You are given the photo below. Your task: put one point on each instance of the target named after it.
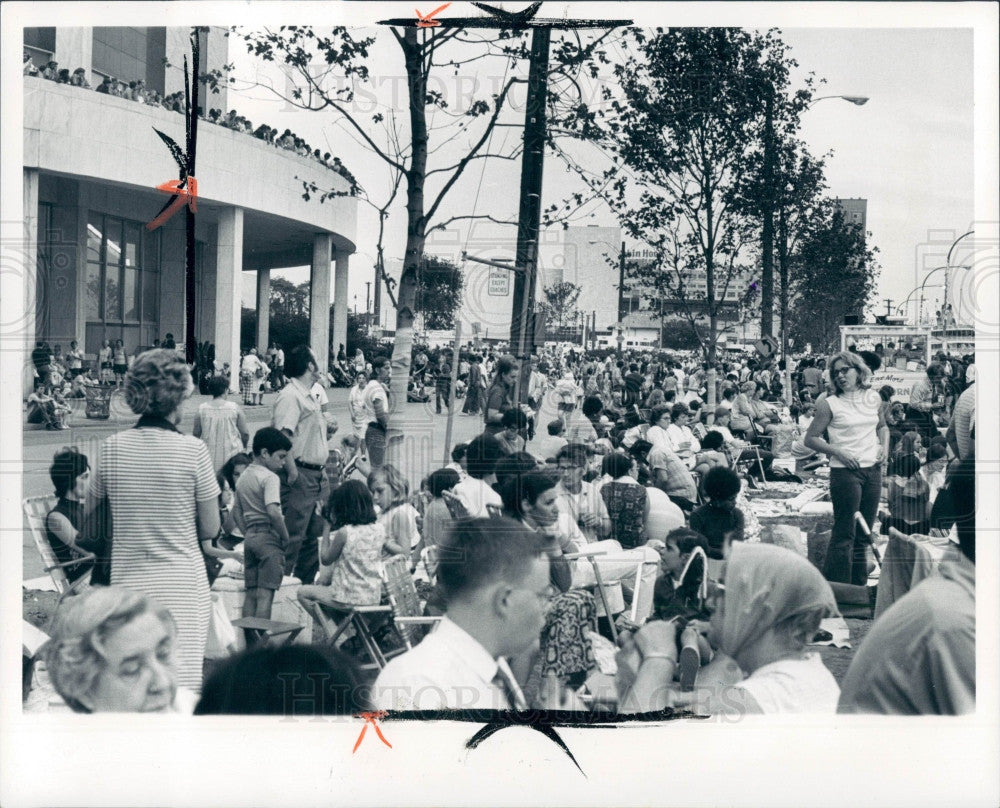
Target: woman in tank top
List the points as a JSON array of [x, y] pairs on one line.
[[857, 441]]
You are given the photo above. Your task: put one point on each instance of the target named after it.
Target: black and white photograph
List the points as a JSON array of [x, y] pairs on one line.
[[553, 403]]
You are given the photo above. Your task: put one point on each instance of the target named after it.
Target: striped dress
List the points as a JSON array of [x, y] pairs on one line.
[[154, 477]]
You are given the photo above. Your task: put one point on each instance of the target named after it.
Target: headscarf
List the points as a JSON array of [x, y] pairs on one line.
[[766, 585]]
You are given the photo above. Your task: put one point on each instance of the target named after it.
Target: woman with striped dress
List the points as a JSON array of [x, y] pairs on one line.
[[164, 501]]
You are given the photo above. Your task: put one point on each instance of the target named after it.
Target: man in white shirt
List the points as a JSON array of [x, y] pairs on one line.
[[475, 492], [375, 401], [496, 581], [579, 499]]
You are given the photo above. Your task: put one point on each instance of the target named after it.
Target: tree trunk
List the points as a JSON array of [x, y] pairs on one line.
[[402, 347]]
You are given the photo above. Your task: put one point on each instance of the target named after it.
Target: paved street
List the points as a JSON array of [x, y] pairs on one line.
[[424, 429]]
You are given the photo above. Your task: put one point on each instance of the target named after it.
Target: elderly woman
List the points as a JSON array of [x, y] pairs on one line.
[[763, 618], [112, 650], [164, 500], [857, 441]]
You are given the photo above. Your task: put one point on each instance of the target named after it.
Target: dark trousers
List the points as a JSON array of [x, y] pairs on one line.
[[375, 441], [304, 525], [442, 391], [851, 491]]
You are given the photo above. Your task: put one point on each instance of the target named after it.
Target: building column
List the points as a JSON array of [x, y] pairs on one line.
[[319, 301], [263, 310], [74, 48], [29, 275], [228, 279], [340, 302]]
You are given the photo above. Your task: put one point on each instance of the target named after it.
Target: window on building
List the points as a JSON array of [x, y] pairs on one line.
[[122, 282], [40, 43], [122, 53]]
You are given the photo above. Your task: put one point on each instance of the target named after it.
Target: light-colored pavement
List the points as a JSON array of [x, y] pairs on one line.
[[424, 430]]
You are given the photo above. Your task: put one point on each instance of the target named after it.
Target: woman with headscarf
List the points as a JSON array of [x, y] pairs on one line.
[[762, 619]]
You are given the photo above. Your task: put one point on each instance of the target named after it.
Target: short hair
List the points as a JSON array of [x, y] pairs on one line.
[[935, 452], [157, 383], [217, 386], [640, 449], [886, 392], [379, 362], [393, 478], [297, 361], [458, 453], [287, 680], [227, 472], [687, 539], [271, 439], [723, 412], [555, 427], [617, 464], [529, 485], [856, 362], [351, 503], [514, 417], [592, 405], [481, 455], [480, 552], [574, 452], [67, 465], [657, 413], [721, 483], [512, 466], [713, 440], [694, 405], [678, 410], [74, 655], [442, 480]]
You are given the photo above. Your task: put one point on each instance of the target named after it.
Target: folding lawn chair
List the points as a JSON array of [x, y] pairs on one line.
[[36, 509], [591, 556]]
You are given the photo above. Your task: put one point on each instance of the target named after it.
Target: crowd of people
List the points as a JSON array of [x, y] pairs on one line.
[[137, 90], [639, 484]]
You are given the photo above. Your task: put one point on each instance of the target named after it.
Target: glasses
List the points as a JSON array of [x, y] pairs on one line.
[[841, 370]]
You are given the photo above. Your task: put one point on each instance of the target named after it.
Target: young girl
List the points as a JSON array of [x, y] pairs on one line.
[[119, 362], [104, 358], [352, 554], [391, 493]]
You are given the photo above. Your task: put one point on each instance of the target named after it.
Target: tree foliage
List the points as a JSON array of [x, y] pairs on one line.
[[835, 274], [560, 303], [439, 291]]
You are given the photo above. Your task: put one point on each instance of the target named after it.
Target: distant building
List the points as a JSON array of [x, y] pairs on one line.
[[91, 166], [855, 211]]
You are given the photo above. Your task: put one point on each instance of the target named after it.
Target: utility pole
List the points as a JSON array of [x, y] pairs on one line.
[[767, 225], [888, 306], [529, 214], [621, 299]]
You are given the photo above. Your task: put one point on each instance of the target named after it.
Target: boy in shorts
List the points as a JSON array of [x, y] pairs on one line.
[[257, 512]]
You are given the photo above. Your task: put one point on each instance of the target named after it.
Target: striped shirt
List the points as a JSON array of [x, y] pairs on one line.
[[154, 478]]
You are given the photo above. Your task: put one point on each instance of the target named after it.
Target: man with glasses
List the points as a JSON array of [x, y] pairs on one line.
[[495, 578], [577, 497]]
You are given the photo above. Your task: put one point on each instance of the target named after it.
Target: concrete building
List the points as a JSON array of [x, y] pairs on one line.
[[855, 211], [91, 166]]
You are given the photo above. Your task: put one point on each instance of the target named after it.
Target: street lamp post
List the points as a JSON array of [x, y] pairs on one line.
[[621, 293]]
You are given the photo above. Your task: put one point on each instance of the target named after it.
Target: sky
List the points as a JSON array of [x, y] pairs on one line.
[[908, 150]]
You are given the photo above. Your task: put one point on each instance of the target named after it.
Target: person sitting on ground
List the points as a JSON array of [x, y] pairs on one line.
[[46, 406], [919, 658], [351, 556], [495, 579], [712, 453], [719, 520], [933, 470], [256, 682], [111, 650], [762, 620], [257, 513], [512, 437], [908, 497], [71, 535]]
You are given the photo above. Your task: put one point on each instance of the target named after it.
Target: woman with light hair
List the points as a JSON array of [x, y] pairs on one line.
[[858, 445], [112, 650], [164, 502]]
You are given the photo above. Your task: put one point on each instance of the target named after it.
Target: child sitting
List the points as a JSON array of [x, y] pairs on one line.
[[391, 493], [712, 454], [257, 513], [354, 551], [553, 442], [909, 497], [719, 520]]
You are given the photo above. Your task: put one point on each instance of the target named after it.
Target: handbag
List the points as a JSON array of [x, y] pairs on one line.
[[213, 565]]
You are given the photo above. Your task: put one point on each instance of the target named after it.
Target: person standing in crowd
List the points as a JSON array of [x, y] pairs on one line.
[[376, 406], [442, 381], [74, 359], [303, 479], [252, 373], [119, 362], [475, 386], [220, 423], [500, 396], [926, 399], [858, 446], [164, 502]]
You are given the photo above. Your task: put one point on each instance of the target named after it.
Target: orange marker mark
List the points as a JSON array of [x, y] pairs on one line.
[[427, 20], [371, 718], [185, 196]]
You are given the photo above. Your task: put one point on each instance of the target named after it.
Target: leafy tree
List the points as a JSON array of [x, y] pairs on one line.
[[439, 291], [559, 305], [429, 149], [685, 118], [835, 273]]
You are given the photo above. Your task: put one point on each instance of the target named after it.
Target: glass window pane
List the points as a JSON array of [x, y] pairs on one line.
[[131, 293], [93, 293], [131, 244], [113, 246], [151, 251], [112, 295], [150, 310], [95, 224]]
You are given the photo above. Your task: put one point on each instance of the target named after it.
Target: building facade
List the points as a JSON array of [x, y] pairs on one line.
[[92, 162], [855, 211]]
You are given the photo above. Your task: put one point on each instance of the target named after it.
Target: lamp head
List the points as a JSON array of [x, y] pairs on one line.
[[859, 100]]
